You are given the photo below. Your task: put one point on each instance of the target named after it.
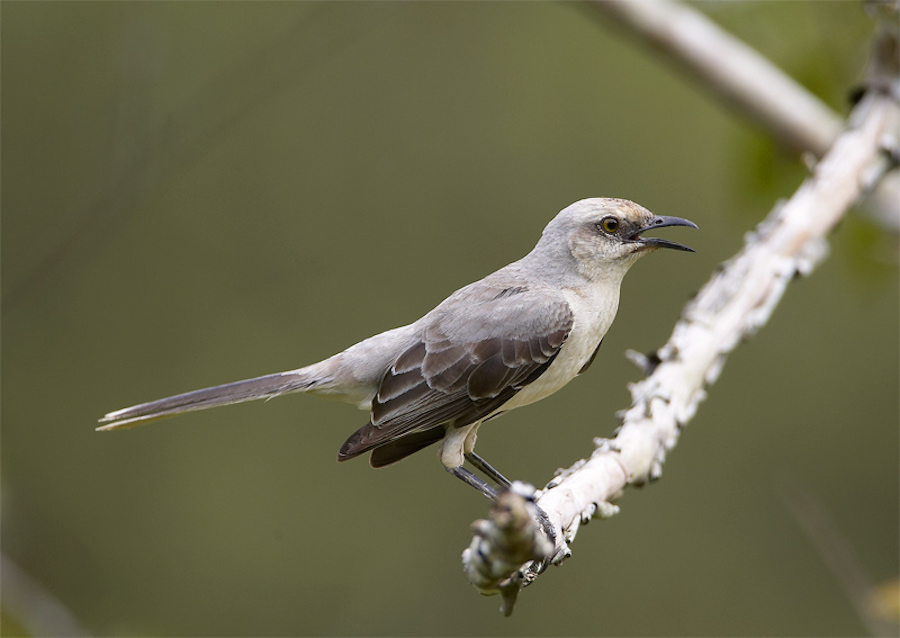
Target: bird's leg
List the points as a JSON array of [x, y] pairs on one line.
[[488, 470], [465, 475], [504, 483]]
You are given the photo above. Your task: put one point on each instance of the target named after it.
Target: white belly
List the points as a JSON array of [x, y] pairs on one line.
[[593, 316]]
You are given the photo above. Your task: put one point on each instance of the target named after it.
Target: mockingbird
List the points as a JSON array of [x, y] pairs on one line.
[[510, 339]]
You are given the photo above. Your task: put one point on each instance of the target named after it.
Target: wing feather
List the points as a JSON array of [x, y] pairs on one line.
[[476, 351]]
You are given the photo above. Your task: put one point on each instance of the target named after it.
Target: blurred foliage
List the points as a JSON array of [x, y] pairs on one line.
[[200, 192]]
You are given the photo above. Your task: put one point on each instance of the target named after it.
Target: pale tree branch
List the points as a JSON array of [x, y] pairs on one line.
[[739, 299], [506, 542], [748, 83]]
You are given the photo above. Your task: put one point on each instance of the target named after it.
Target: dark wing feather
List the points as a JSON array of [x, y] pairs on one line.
[[470, 360]]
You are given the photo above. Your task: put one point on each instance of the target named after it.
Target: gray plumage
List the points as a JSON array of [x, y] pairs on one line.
[[510, 339]]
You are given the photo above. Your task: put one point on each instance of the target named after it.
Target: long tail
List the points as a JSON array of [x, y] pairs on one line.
[[264, 387]]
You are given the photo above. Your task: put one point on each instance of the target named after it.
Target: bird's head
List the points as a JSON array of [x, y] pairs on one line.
[[605, 236]]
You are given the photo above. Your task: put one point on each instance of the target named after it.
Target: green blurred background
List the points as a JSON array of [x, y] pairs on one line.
[[195, 193]]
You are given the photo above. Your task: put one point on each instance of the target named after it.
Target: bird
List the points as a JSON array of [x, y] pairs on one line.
[[508, 340]]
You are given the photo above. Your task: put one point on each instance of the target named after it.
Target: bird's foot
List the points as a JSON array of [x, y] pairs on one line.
[[528, 492], [524, 490]]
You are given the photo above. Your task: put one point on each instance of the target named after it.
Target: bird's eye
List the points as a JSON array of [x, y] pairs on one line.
[[609, 224]]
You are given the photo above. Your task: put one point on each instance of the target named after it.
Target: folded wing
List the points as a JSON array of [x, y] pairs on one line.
[[468, 362]]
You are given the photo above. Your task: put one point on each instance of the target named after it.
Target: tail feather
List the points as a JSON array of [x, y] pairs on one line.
[[265, 387]]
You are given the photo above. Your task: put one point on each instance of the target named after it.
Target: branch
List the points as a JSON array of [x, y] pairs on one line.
[[747, 82], [737, 301], [509, 550]]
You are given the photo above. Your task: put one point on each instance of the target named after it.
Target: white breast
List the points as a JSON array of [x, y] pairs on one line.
[[594, 312]]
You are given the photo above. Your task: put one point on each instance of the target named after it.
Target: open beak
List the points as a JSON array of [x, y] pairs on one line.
[[657, 242]]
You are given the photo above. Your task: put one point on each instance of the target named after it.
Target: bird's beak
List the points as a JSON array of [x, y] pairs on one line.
[[657, 242]]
